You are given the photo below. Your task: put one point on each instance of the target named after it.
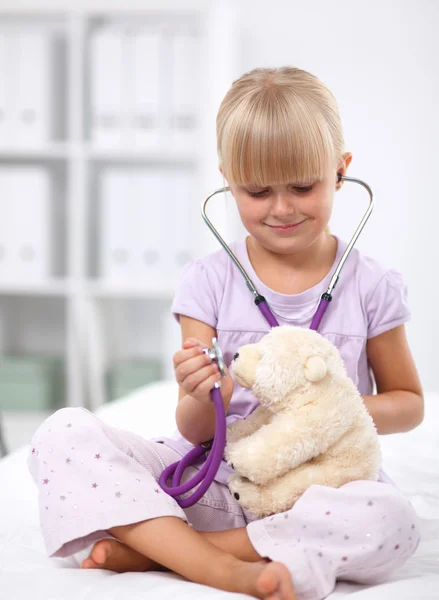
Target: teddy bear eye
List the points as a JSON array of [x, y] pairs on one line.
[[235, 356]]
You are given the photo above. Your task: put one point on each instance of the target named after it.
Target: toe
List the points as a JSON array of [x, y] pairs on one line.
[[101, 552], [274, 583], [89, 563], [268, 581]]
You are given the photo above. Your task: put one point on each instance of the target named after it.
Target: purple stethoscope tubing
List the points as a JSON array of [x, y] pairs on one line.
[[198, 454], [208, 471]]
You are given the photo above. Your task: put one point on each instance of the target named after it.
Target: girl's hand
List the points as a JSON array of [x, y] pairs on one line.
[[194, 370]]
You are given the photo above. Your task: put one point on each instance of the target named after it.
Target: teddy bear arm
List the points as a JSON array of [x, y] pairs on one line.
[[256, 456], [313, 434], [281, 446]]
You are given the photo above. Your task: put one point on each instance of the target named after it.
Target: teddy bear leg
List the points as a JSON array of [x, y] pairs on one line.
[[282, 493], [321, 472]]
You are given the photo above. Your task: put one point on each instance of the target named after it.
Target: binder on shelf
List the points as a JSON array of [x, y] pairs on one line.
[[118, 224], [125, 376], [184, 89], [185, 210], [31, 383], [136, 226], [33, 108], [5, 89], [3, 327], [154, 227], [145, 50], [6, 239], [107, 49], [25, 225]]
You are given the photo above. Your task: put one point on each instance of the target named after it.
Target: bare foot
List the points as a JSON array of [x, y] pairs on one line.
[[265, 580], [274, 583], [115, 556]]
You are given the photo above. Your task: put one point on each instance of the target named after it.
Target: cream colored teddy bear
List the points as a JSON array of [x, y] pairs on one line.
[[311, 426]]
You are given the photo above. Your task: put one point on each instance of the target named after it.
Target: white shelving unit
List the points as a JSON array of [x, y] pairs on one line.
[[105, 320]]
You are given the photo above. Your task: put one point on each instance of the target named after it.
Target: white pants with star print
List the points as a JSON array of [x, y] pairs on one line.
[[92, 477]]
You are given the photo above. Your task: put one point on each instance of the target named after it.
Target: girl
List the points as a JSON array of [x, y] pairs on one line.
[[280, 149]]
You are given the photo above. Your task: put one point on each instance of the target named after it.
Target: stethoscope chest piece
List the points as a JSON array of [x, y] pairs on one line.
[[216, 355]]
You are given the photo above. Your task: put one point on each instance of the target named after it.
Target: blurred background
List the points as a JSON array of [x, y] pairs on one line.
[[107, 148]]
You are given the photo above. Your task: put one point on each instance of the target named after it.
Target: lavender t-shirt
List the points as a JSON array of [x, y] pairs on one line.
[[367, 301]]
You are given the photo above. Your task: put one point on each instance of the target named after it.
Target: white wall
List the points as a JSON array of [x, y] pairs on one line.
[[381, 60]]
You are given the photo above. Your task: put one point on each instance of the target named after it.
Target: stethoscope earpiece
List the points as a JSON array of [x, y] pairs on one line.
[[339, 177]]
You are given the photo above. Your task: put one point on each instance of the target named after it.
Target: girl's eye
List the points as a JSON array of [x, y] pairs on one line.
[[304, 189], [299, 189], [259, 194]]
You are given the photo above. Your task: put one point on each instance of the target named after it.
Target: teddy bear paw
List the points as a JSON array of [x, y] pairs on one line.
[[235, 456], [246, 493]]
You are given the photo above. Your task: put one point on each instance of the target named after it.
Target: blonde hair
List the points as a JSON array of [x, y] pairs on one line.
[[278, 126]]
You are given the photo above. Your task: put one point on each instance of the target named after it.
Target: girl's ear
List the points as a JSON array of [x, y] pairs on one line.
[[342, 167], [347, 158]]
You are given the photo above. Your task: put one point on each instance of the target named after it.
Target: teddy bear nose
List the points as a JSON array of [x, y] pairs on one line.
[[236, 495], [235, 355]]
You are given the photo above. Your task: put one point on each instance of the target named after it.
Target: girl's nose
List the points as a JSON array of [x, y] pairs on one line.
[[282, 205]]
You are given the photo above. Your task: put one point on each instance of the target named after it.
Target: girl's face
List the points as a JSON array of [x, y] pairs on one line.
[[287, 218]]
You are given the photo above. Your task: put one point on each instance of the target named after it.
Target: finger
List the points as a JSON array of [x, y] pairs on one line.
[[190, 367], [196, 381], [206, 386], [183, 355]]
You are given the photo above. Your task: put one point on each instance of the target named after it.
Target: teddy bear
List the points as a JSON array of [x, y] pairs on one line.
[[311, 426]]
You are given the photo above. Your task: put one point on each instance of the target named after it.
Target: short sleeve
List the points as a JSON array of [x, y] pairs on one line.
[[388, 306], [196, 296]]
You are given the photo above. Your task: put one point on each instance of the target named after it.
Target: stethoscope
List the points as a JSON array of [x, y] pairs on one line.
[[212, 452]]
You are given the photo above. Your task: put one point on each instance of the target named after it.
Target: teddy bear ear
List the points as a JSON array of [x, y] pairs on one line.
[[315, 369]]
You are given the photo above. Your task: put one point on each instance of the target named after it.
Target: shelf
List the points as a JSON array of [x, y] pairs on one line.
[[49, 288], [103, 289], [139, 155], [50, 152], [64, 151], [93, 288]]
